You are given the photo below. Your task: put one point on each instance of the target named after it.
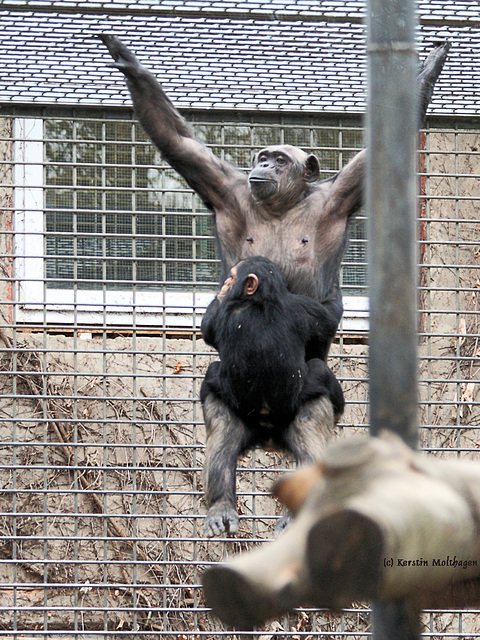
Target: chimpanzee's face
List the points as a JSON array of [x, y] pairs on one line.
[[266, 176], [280, 175]]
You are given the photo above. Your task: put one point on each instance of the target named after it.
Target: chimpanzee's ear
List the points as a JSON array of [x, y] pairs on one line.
[[311, 171], [251, 284]]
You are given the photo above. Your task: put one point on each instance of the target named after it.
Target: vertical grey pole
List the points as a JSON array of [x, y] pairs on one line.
[[392, 118]]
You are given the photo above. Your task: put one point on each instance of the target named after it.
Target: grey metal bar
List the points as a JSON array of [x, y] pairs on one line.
[[391, 203]]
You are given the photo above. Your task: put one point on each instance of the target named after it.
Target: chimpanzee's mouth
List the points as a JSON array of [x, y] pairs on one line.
[[262, 188]]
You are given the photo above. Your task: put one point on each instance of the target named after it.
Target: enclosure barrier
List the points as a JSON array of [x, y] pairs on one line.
[[107, 265]]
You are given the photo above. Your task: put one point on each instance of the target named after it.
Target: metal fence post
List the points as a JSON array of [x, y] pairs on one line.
[[392, 117]]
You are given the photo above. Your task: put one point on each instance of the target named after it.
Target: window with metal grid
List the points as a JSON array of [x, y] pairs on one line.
[[116, 215]]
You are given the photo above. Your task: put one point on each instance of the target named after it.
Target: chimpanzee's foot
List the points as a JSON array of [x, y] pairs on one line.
[[221, 518]]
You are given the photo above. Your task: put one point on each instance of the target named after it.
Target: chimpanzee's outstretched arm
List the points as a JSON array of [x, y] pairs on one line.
[[346, 188], [210, 177]]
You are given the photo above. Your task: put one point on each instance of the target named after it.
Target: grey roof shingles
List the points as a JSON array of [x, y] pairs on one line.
[[302, 56]]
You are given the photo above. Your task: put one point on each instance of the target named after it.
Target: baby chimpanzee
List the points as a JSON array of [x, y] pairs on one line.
[[272, 367]]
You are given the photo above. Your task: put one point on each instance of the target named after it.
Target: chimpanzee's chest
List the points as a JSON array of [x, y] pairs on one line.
[[306, 244], [303, 252], [294, 248]]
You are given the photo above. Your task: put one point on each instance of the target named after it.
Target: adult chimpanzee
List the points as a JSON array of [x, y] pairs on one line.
[[264, 335], [280, 210]]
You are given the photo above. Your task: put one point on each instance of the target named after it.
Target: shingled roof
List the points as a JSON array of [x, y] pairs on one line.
[[299, 56]]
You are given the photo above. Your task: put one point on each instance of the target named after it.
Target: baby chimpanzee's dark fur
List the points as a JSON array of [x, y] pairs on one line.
[[263, 339], [265, 336]]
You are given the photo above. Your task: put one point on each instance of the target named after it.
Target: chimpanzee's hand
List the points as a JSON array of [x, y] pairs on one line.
[[125, 60], [429, 72]]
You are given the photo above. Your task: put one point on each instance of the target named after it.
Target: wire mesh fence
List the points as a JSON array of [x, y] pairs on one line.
[[108, 265]]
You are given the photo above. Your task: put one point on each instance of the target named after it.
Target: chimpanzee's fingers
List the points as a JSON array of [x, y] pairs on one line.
[[125, 60]]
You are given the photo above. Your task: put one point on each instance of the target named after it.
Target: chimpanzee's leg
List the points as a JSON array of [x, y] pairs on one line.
[[306, 437], [311, 429], [226, 438]]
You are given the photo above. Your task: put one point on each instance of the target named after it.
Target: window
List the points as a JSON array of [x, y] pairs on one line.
[[105, 229]]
